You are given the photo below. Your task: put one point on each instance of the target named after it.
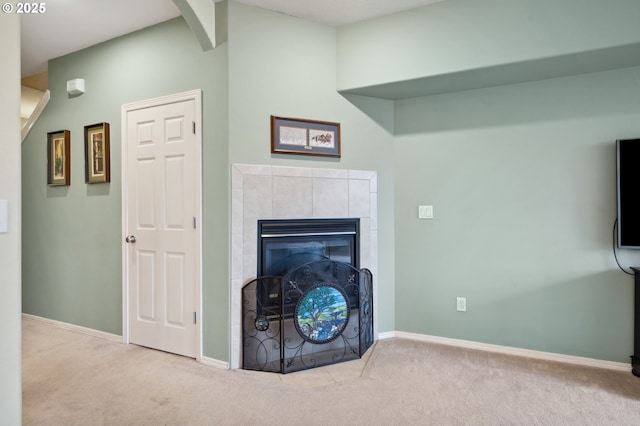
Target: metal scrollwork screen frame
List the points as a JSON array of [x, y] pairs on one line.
[[332, 322]]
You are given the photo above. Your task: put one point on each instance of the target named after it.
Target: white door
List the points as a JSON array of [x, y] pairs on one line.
[[161, 202]]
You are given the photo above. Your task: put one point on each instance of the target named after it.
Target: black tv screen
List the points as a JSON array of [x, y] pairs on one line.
[[628, 176]]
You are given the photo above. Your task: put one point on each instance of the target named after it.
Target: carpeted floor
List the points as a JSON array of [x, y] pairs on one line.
[[71, 378]]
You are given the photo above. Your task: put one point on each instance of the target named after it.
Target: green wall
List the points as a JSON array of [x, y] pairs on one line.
[[521, 176], [522, 180], [73, 235], [10, 254], [284, 66]]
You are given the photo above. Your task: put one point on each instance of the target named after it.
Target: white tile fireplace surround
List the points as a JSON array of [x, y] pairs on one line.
[[275, 192]]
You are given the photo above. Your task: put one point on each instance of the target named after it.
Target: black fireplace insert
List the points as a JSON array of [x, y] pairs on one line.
[[284, 244]]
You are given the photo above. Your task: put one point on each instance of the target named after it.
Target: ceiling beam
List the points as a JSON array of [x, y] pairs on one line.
[[207, 20]]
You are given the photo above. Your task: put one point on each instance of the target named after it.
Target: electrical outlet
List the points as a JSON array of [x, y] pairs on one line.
[[461, 303]]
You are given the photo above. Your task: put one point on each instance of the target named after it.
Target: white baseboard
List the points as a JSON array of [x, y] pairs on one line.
[[111, 337], [214, 363], [386, 335], [507, 350], [467, 344], [76, 328]]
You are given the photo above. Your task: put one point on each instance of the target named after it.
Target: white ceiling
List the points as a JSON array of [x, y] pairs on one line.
[[338, 12], [71, 25]]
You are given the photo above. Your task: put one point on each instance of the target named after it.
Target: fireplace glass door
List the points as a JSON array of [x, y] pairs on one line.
[[286, 244]]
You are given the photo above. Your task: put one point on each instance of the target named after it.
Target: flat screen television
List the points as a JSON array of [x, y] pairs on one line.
[[628, 200]]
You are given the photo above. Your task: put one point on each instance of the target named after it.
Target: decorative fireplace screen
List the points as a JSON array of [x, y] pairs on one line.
[[322, 314]]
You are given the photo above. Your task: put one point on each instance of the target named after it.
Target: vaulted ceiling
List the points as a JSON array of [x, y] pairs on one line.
[[67, 26]]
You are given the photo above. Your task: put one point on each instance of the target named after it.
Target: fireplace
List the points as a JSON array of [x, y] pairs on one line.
[[304, 308], [267, 192]]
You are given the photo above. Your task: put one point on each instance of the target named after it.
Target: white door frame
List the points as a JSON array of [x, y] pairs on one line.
[[195, 95]]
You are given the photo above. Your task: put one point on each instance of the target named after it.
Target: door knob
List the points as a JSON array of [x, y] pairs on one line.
[[131, 239]]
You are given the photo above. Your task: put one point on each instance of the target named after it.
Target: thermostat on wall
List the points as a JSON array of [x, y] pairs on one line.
[[75, 86]]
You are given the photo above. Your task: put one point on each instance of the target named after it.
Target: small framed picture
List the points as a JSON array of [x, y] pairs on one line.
[[97, 165], [305, 137], [59, 158]]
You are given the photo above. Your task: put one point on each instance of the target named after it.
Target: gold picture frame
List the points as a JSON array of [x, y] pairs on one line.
[[59, 158], [97, 153]]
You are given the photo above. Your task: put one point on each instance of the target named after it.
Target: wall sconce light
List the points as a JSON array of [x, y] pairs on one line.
[[75, 87]]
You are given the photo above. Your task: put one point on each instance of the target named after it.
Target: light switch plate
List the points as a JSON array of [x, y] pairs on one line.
[[425, 212], [4, 216]]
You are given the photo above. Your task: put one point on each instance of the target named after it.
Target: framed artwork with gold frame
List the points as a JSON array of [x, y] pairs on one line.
[[59, 158], [97, 164]]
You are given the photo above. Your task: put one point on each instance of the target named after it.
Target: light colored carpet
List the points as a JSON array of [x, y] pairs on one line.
[[71, 378]]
